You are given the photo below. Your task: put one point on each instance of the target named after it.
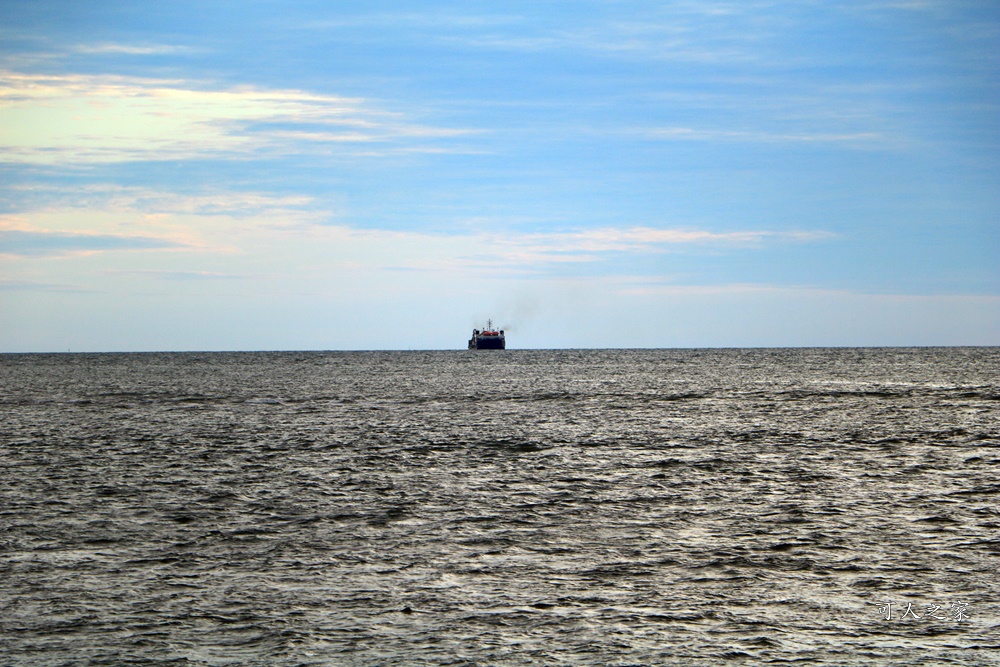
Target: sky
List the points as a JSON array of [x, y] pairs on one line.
[[276, 175]]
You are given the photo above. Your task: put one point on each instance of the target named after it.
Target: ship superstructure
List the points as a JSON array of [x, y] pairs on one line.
[[488, 339]]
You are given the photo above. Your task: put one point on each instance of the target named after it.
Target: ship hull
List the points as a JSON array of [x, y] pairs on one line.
[[487, 343]]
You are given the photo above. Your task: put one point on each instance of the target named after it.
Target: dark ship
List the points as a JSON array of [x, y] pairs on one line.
[[488, 339]]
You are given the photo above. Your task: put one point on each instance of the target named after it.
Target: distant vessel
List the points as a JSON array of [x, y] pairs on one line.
[[488, 339]]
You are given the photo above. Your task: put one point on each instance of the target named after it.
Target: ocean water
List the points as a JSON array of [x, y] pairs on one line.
[[634, 507]]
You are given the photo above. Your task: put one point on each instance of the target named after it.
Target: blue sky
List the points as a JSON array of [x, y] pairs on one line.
[[374, 175]]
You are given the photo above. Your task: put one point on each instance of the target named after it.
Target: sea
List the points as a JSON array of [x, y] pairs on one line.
[[518, 507]]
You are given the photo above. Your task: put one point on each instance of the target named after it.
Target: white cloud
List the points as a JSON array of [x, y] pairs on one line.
[[131, 49], [255, 232], [100, 118]]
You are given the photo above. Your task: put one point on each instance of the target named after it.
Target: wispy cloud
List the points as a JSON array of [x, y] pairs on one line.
[[651, 286], [639, 238], [536, 251], [36, 286], [681, 32], [654, 286], [43, 243], [103, 217], [152, 202], [176, 275], [108, 48], [263, 228], [78, 118], [757, 136], [531, 253]]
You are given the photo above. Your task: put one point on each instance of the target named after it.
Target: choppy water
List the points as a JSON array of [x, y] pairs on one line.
[[501, 508]]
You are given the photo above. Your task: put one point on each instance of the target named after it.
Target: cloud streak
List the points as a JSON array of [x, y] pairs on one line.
[[692, 134], [108, 48], [177, 275], [35, 286], [534, 253], [25, 243]]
